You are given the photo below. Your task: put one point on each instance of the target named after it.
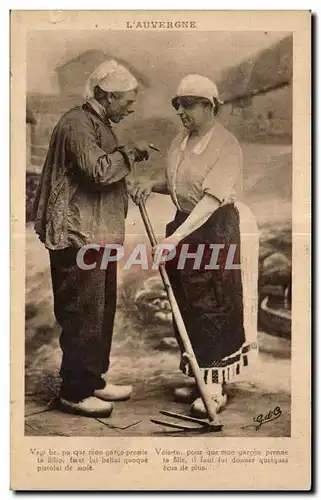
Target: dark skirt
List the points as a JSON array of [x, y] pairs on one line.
[[210, 300]]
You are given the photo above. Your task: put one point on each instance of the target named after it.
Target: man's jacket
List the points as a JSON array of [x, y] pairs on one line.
[[82, 196]]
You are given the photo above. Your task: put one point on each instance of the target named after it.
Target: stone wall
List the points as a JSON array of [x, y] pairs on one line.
[[47, 110]]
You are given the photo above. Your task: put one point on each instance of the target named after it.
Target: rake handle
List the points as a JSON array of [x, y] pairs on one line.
[[189, 353]]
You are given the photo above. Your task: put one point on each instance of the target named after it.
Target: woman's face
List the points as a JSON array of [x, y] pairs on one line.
[[193, 113]]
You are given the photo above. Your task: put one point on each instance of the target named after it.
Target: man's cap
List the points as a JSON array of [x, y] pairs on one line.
[[111, 77]]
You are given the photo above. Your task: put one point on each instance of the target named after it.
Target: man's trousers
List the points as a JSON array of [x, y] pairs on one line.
[[84, 306]]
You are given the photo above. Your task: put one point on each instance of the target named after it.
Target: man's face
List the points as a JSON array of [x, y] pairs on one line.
[[121, 104]]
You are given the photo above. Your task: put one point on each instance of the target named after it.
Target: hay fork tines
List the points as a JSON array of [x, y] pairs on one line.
[[201, 425]]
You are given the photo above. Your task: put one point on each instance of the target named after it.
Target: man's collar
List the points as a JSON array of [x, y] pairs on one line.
[[99, 109]]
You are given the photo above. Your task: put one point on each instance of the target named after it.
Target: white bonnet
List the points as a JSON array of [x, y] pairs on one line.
[[197, 86], [111, 77]]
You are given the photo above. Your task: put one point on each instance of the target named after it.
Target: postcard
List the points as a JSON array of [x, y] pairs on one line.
[[160, 250]]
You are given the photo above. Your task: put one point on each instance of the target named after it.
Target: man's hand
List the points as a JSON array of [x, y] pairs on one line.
[[140, 150], [137, 151], [229, 199]]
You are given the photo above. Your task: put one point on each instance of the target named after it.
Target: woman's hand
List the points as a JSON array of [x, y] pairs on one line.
[[229, 199], [165, 247], [140, 192]]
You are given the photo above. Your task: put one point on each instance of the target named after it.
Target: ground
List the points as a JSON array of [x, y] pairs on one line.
[[138, 355], [154, 375]]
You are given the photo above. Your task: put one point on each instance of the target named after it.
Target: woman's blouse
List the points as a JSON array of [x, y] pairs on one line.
[[212, 166]]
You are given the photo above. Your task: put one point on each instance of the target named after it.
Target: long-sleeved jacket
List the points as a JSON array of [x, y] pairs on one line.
[[82, 196]]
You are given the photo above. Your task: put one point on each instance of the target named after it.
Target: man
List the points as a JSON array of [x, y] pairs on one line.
[[82, 199]]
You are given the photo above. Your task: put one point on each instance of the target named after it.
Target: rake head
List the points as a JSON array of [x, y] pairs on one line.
[[199, 424]]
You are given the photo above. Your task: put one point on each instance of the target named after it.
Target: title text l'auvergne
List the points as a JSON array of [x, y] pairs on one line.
[[161, 24]]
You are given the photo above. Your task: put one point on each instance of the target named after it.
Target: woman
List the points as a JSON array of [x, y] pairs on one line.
[[218, 302]]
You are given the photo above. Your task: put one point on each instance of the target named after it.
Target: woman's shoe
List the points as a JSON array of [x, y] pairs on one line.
[[198, 409], [186, 394]]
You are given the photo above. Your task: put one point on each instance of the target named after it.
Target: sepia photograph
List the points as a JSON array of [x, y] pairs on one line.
[[161, 247], [92, 343]]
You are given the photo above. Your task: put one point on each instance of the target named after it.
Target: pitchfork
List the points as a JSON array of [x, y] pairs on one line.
[[212, 424]]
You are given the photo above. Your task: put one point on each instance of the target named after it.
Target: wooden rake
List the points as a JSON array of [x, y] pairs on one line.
[[212, 424]]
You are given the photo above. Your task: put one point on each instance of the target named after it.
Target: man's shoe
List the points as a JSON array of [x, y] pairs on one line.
[[186, 394], [198, 409], [88, 407], [112, 392]]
